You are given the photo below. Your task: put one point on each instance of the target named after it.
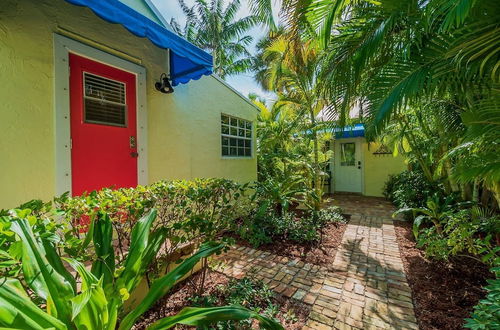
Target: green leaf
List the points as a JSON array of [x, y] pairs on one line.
[[104, 265], [417, 223], [90, 308], [55, 261], [205, 316], [135, 265], [41, 276], [19, 312], [161, 286]]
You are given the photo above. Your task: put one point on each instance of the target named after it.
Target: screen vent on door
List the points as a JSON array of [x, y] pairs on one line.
[[104, 101]]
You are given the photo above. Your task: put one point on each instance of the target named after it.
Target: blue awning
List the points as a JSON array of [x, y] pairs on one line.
[[187, 62], [356, 130]]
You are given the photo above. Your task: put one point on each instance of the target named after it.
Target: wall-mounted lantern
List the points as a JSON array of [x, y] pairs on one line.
[[164, 85]]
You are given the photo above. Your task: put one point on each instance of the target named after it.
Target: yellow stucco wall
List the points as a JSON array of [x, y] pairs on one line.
[[184, 127], [377, 169]]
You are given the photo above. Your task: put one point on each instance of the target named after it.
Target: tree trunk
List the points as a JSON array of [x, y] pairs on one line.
[[316, 176], [475, 191]]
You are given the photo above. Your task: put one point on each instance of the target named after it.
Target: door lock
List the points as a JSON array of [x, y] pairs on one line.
[[132, 142], [134, 154]]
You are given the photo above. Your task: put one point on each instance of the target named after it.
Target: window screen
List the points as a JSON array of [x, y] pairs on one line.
[[104, 101], [236, 137]]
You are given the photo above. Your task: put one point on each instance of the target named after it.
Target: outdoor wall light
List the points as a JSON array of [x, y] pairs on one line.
[[164, 85]]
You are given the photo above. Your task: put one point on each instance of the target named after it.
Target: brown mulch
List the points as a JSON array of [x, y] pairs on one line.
[[316, 253], [180, 294], [444, 293]]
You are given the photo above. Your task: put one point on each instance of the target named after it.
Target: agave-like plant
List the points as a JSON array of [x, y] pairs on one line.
[[97, 302]]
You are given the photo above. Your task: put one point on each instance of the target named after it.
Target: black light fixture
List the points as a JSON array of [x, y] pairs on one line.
[[164, 85]]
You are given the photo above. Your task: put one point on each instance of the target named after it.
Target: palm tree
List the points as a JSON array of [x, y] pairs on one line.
[[395, 55], [214, 28], [292, 72]]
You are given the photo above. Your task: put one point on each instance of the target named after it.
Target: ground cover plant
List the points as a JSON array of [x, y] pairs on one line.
[[487, 313], [219, 290], [254, 295], [296, 235]]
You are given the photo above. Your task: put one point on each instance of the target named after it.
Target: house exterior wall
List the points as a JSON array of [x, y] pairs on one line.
[[183, 127], [377, 169]]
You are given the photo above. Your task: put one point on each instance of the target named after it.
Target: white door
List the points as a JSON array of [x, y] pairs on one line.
[[348, 165]]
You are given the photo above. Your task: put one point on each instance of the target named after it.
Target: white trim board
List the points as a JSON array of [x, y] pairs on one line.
[[62, 47]]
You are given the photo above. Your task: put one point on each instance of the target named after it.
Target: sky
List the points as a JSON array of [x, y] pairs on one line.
[[244, 83]]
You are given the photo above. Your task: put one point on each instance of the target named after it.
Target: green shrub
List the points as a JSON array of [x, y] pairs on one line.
[[331, 214], [486, 314], [264, 225], [245, 292], [409, 189], [462, 233], [41, 217], [188, 210]]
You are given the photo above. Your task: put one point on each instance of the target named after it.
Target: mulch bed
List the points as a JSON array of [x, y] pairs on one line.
[[444, 293], [318, 253], [172, 303]]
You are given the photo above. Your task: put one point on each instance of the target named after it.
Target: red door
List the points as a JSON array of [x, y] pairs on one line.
[[103, 126]]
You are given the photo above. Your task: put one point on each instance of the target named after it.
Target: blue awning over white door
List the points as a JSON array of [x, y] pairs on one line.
[[187, 62]]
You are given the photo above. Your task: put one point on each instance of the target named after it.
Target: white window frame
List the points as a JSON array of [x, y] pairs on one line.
[[63, 46], [251, 138]]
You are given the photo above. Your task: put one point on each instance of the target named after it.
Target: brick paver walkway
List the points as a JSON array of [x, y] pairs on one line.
[[365, 289]]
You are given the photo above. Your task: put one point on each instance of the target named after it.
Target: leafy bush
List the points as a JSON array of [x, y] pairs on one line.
[[40, 217], [192, 210], [486, 314], [409, 189], [245, 292], [264, 225], [104, 289], [331, 214], [457, 232]]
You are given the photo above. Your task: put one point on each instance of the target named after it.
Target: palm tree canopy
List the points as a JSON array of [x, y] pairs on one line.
[[214, 27]]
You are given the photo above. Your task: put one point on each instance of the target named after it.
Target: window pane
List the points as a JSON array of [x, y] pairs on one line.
[[347, 154], [238, 143]]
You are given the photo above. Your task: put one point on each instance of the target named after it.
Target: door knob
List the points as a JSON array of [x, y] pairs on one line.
[[134, 154]]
